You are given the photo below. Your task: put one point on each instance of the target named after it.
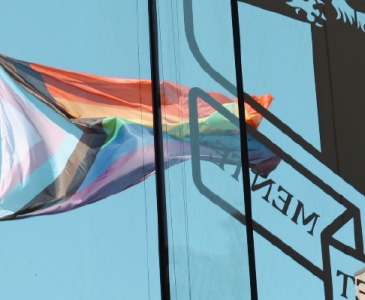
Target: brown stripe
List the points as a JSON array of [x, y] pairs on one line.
[[71, 177]]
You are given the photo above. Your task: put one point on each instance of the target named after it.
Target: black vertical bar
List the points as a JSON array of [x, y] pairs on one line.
[[159, 154], [244, 150]]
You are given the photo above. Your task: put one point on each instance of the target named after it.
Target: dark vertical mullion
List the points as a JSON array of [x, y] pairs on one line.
[[244, 150], [159, 154]]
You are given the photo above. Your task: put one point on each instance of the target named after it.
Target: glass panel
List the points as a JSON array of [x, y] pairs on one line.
[[307, 212], [107, 250], [205, 202]]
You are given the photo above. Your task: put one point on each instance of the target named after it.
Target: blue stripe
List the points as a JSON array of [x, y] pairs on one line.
[[129, 138]]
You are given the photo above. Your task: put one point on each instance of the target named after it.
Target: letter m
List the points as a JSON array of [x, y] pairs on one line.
[[313, 217]]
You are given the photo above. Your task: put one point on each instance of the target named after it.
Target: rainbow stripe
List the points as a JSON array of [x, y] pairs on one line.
[[71, 139]]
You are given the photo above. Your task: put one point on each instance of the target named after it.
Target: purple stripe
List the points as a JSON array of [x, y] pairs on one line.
[[128, 171]]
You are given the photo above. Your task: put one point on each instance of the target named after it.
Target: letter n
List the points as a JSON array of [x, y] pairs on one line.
[[256, 186]]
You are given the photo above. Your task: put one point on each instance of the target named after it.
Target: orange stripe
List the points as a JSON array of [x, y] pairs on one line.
[[90, 96]]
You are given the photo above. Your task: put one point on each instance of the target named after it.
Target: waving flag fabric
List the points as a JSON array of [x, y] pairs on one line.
[[69, 139]]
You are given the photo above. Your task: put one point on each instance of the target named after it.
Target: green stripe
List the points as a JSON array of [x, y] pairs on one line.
[[112, 126]]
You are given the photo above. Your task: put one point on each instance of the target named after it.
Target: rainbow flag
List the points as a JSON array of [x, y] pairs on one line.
[[69, 139]]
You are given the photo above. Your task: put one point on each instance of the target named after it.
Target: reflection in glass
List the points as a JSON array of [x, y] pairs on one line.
[[306, 216]]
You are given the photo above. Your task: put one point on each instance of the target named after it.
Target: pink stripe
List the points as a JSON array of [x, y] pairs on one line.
[[52, 137]]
